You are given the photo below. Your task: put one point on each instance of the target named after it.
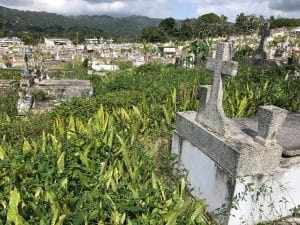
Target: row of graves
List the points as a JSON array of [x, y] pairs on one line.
[[57, 50], [272, 47], [285, 53], [247, 169], [275, 46]]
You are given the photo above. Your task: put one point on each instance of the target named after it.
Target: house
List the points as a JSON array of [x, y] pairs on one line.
[[14, 41], [52, 42], [91, 41]]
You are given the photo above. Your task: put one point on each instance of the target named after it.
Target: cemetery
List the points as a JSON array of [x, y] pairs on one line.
[[202, 128]]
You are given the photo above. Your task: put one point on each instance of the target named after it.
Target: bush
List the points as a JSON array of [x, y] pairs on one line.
[[243, 53], [40, 95]]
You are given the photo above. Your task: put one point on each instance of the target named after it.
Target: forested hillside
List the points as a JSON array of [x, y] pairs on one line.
[[15, 22]]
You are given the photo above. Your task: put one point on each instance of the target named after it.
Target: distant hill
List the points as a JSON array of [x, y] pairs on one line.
[[50, 24]]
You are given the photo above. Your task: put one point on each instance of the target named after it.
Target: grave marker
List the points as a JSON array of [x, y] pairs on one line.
[[213, 114]]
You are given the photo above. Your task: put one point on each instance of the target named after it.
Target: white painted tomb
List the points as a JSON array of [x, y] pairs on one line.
[[247, 169]]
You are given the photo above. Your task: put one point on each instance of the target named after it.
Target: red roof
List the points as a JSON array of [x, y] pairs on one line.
[[296, 52]]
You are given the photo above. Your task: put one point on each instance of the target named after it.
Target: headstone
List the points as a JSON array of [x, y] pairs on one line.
[[269, 120], [213, 116], [264, 32], [259, 57], [24, 104], [279, 52]]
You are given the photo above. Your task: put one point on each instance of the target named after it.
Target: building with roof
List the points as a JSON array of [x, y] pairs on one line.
[[7, 42]]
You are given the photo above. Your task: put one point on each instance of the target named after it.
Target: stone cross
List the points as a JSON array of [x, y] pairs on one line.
[[212, 115], [264, 32]]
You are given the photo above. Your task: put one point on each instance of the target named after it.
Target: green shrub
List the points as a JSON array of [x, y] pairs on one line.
[[40, 95], [108, 164], [243, 53]]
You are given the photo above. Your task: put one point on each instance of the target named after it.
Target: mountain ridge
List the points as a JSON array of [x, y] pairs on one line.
[[124, 27]]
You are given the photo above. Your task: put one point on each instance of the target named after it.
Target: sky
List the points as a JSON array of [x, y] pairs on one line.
[[178, 9]]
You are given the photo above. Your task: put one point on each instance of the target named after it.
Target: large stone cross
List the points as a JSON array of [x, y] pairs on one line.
[[212, 114], [264, 32]]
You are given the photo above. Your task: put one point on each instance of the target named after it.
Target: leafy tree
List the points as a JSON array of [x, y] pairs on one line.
[[283, 22], [154, 34], [169, 26], [210, 18], [187, 30], [200, 49], [26, 38], [211, 25], [247, 24]]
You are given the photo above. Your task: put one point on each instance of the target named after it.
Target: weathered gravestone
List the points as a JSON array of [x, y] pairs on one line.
[[247, 169], [264, 32], [259, 57], [212, 115]]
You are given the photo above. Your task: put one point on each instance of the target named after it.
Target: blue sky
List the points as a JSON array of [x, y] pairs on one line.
[[179, 9]]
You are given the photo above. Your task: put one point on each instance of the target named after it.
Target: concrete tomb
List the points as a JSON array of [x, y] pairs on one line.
[[247, 169], [6, 85], [56, 90], [59, 90]]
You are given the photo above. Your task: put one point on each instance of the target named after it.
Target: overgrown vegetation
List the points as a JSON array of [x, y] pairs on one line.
[[40, 96], [8, 102], [105, 160]]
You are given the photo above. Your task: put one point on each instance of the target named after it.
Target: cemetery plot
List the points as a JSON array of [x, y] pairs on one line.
[[222, 156]]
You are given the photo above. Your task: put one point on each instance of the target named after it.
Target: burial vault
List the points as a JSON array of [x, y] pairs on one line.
[[247, 169]]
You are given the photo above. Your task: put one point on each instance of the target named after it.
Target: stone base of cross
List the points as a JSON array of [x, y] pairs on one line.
[[212, 114]]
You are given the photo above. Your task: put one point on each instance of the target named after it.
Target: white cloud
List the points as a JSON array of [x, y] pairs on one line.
[[161, 8], [231, 8], [153, 8], [75, 7]]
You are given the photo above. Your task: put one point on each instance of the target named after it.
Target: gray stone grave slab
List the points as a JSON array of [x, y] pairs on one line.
[[288, 136], [65, 88], [64, 82], [6, 85]]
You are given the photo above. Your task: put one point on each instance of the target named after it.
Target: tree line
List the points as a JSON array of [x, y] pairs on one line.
[[210, 25], [35, 34]]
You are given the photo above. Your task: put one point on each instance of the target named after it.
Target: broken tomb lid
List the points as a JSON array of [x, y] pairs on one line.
[[288, 136]]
